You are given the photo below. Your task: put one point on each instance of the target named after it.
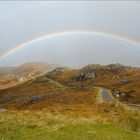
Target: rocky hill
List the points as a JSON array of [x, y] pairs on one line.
[[43, 92], [124, 80], [64, 86]]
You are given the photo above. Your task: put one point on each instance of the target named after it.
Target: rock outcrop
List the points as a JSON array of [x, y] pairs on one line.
[[84, 76]]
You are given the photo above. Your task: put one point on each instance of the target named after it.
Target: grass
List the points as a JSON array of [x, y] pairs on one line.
[[41, 125], [128, 118], [99, 96]]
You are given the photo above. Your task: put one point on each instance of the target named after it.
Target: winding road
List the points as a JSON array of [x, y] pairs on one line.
[[106, 97]]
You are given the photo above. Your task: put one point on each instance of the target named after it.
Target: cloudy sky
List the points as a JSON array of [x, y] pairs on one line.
[[23, 21]]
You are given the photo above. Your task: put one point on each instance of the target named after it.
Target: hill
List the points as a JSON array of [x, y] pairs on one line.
[[42, 92], [10, 76], [120, 79], [63, 86]]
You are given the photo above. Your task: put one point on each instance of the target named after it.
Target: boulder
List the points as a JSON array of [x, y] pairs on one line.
[[34, 99]]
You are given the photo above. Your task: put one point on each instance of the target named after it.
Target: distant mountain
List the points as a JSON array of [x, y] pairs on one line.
[[12, 75], [26, 69]]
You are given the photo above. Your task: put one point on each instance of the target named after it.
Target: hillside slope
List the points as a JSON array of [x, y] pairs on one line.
[[63, 86], [120, 79], [43, 92], [10, 76]]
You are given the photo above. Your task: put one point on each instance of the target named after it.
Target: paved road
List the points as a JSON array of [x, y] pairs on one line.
[[107, 98], [106, 95]]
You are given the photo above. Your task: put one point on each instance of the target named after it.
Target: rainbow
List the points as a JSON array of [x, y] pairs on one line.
[[67, 33]]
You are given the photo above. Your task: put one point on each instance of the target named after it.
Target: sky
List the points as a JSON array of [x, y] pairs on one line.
[[23, 21]]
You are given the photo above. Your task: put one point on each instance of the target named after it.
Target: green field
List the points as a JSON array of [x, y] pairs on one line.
[[38, 125]]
